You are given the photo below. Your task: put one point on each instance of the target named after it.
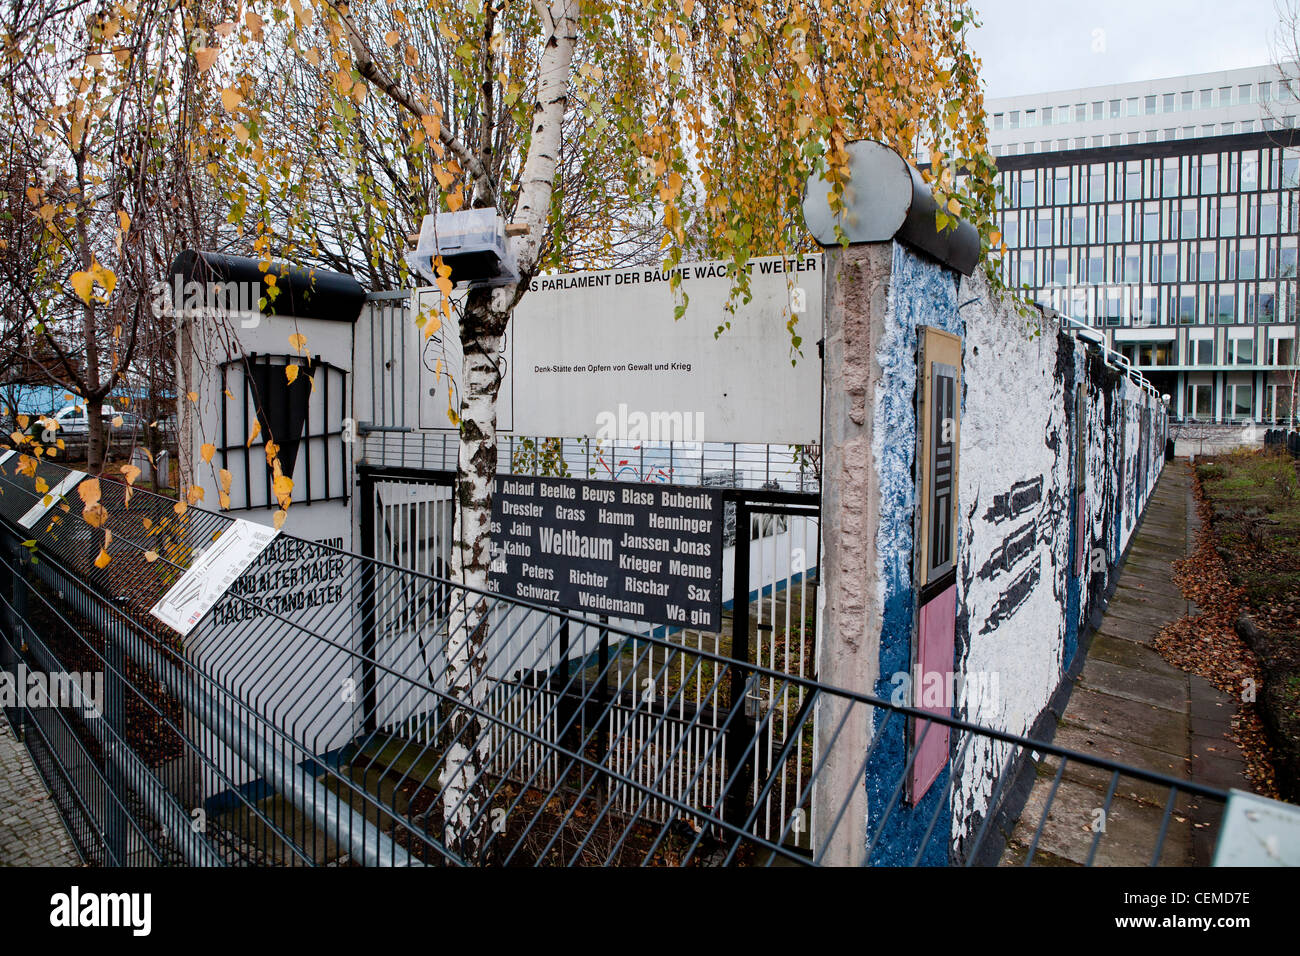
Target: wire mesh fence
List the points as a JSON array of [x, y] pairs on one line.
[[718, 464], [338, 710]]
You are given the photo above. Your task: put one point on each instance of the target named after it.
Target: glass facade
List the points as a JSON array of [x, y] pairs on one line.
[[1176, 238]]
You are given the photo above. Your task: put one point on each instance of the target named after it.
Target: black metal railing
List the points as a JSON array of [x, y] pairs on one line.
[[1286, 439], [346, 730]]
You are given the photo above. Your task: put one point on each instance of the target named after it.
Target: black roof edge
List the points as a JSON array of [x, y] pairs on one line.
[[1165, 149], [304, 293]]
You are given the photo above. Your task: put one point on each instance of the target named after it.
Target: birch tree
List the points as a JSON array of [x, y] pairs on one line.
[[99, 102]]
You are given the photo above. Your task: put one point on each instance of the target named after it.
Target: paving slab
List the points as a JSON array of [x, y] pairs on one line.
[[1131, 653], [1159, 727], [1124, 833], [1132, 683]]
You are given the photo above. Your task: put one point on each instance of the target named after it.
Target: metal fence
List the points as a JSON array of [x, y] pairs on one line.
[[719, 464], [291, 728], [1282, 438]]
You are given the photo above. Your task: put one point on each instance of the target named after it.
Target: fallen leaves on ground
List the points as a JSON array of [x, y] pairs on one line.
[[1207, 644]]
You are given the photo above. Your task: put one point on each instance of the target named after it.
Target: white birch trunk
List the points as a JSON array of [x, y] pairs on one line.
[[466, 819]]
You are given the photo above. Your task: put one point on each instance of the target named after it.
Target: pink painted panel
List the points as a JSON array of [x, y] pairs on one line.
[[935, 646]]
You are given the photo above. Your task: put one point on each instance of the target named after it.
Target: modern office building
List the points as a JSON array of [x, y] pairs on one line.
[[1165, 214]]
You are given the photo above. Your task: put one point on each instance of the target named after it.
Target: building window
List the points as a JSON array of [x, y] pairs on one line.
[[1187, 309], [1209, 174], [1169, 267], [1150, 105], [1225, 96], [1266, 307], [1242, 351], [1015, 119], [1280, 351], [1169, 102], [1278, 400], [1226, 313], [1246, 262], [1248, 126], [1200, 401], [1207, 99], [1204, 351], [1265, 92], [1228, 216], [1207, 263], [1114, 109], [999, 120], [1241, 400], [1150, 225], [1187, 100], [1243, 94], [1080, 112]]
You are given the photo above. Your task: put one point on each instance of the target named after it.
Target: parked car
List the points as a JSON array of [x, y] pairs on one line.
[[73, 426]]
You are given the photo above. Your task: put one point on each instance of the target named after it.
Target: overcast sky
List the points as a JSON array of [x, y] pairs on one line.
[[1036, 46]]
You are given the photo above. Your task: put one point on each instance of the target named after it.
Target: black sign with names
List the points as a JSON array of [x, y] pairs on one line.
[[646, 552]]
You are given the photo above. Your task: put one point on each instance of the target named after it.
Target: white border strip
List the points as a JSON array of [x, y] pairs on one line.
[[48, 500]]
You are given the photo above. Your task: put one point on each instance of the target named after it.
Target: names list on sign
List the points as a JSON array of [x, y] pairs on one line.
[[648, 552]]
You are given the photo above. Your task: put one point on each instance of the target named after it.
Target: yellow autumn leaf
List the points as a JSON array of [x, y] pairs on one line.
[[90, 491], [225, 478], [277, 519], [223, 497], [192, 396], [102, 559], [205, 56], [194, 494], [298, 341], [117, 421], [179, 508], [257, 430], [283, 485], [82, 284], [151, 556], [231, 98], [291, 373], [41, 486], [392, 38], [130, 473], [94, 515], [207, 451]]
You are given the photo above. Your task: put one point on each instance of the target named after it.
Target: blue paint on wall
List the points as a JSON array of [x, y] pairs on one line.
[[921, 292]]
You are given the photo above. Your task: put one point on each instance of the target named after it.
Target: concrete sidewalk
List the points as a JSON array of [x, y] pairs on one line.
[[1130, 706]]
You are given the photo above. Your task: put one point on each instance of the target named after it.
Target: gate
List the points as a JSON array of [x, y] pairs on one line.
[[406, 523], [677, 733], [774, 625]]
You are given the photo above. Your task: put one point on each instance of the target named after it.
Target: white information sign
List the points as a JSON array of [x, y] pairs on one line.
[[212, 574], [603, 355]]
